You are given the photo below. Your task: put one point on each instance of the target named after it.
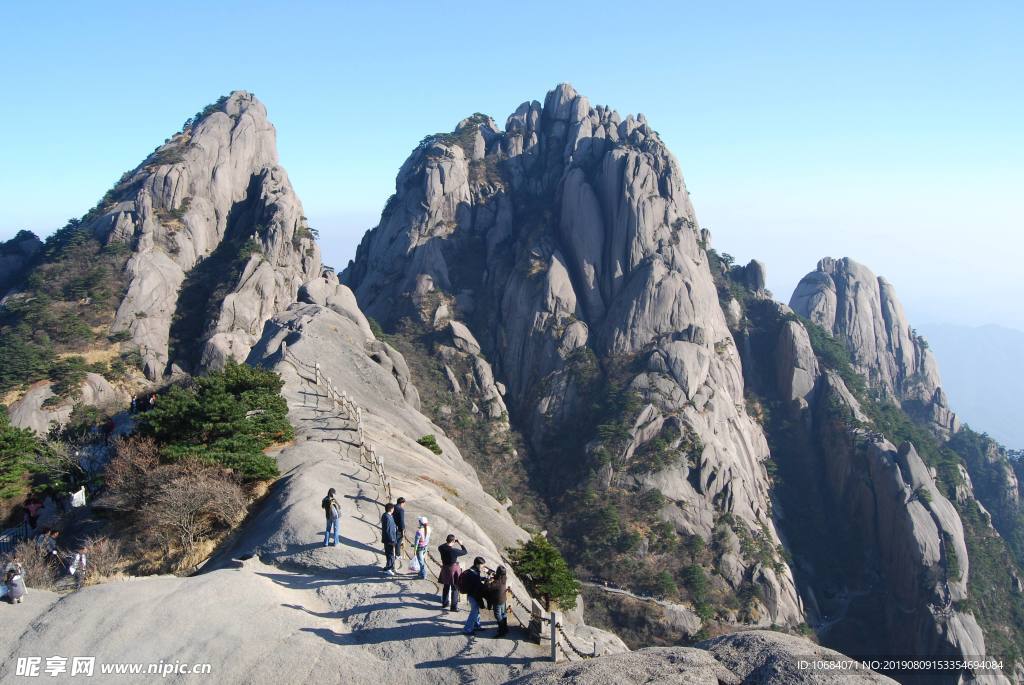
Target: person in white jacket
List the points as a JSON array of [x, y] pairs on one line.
[[419, 544]]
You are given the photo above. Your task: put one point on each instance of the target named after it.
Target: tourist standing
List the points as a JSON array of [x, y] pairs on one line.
[[450, 572], [472, 584], [399, 516], [498, 596], [389, 536], [420, 543], [332, 510]]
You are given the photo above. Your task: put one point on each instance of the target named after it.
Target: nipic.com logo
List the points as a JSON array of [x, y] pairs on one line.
[[53, 666]]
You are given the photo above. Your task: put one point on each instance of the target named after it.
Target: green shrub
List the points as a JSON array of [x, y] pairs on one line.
[[19, 451], [227, 417], [430, 442], [68, 375], [544, 571], [665, 585]]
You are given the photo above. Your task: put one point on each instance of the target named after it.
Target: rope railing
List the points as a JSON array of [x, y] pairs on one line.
[[340, 401]]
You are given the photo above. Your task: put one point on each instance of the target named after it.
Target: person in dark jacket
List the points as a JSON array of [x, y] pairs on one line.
[[497, 590], [472, 583], [32, 506], [332, 510], [450, 572], [399, 516], [389, 536]]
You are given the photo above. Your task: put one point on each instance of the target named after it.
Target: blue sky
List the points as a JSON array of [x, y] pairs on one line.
[[889, 132]]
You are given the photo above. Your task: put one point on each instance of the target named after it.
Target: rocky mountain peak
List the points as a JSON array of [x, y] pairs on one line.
[[183, 261], [209, 211], [851, 303], [552, 252]]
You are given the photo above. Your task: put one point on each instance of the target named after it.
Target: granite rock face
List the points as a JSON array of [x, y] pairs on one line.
[[907, 525], [911, 564], [850, 302], [797, 365], [216, 185], [29, 411], [569, 235]]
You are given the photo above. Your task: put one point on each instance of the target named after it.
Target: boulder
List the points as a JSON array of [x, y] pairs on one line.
[[29, 412], [752, 657]]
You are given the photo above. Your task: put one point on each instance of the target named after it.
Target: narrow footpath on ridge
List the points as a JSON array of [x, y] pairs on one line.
[[274, 604], [398, 618]]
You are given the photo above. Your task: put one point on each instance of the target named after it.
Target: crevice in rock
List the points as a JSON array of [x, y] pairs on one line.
[[212, 278]]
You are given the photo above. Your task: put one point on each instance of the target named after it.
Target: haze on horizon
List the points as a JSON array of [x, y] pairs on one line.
[[892, 135]]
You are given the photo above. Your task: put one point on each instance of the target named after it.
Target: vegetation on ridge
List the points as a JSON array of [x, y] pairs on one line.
[[66, 304], [226, 417]]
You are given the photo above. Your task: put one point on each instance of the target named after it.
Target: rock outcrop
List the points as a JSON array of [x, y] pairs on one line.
[[850, 302], [749, 658], [907, 564], [37, 408], [15, 255], [213, 192], [567, 236]]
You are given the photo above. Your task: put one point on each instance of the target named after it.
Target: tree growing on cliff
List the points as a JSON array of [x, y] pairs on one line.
[[545, 573]]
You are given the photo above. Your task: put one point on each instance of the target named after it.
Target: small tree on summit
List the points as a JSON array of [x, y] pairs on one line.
[[545, 573]]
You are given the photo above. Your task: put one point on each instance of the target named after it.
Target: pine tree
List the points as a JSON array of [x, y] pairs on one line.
[[545, 572]]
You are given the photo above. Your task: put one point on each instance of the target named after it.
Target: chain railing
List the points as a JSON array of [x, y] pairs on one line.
[[10, 538], [340, 401]]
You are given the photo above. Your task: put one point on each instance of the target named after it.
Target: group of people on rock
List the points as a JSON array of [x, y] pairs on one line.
[[13, 586], [484, 588]]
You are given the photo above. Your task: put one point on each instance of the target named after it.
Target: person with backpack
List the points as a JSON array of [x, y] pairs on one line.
[[332, 510], [399, 516], [472, 585], [389, 536], [419, 544], [450, 572], [498, 596]]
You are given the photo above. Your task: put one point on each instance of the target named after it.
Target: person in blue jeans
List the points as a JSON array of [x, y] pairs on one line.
[[333, 512], [420, 544], [498, 596], [472, 584]]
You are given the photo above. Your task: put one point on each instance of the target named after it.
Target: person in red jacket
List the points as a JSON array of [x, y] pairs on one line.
[[450, 572]]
